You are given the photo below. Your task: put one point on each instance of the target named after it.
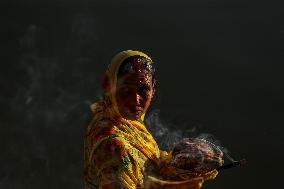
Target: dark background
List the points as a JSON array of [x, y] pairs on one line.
[[219, 69]]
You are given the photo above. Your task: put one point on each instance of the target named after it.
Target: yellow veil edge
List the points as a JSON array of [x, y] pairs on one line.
[[112, 71]]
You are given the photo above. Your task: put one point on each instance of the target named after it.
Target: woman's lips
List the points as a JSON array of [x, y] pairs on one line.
[[134, 110]]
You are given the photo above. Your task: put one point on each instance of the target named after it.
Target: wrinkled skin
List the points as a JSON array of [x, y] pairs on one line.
[[134, 94]]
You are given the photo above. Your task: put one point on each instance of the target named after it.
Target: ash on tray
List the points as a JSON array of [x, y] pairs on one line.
[[198, 155]]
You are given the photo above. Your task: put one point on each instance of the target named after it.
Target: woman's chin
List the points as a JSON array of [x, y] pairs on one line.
[[133, 116]]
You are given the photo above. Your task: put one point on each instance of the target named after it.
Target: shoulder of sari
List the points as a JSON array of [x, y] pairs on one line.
[[113, 165]]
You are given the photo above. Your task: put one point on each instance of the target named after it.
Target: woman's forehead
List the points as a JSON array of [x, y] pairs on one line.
[[135, 79]]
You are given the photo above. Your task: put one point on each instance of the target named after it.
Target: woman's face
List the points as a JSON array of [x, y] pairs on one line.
[[134, 94]]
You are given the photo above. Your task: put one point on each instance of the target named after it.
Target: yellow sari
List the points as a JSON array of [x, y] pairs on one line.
[[117, 151]]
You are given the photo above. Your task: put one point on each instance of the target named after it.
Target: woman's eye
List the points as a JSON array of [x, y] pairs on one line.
[[144, 89]]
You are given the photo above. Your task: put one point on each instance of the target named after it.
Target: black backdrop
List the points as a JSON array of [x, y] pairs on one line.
[[219, 68]]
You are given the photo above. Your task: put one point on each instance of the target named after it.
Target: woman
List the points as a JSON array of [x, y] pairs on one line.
[[119, 150]]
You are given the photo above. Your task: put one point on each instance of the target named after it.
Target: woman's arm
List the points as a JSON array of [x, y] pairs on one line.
[[113, 165], [106, 160]]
